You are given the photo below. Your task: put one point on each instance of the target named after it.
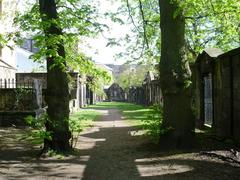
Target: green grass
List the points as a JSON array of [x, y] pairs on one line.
[[80, 120], [134, 113], [146, 118], [116, 105], [85, 117]]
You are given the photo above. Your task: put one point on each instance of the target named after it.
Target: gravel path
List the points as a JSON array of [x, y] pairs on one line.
[[111, 150]]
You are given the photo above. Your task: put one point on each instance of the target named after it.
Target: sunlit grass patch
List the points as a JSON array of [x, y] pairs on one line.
[[148, 119], [85, 116], [80, 120]]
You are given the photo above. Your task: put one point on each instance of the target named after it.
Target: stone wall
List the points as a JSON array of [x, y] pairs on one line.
[[28, 78], [77, 87], [236, 95], [17, 99], [8, 119], [115, 93], [227, 96], [148, 94], [226, 91]]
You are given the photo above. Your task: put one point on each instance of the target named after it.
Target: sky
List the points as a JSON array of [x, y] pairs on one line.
[[98, 51], [96, 47]]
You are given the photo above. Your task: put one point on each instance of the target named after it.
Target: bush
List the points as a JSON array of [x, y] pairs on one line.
[[37, 132], [152, 125], [76, 126]]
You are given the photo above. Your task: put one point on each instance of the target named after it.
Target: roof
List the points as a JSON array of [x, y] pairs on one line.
[[231, 53], [218, 53], [6, 65], [104, 66], [115, 85], [151, 75], [213, 52]]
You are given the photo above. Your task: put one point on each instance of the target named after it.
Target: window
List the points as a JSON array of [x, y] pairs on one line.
[[29, 45], [115, 93]]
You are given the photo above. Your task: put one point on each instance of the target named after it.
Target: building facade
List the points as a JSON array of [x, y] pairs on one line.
[[7, 51]]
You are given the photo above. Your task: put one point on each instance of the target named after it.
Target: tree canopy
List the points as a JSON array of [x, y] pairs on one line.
[[212, 23], [56, 26]]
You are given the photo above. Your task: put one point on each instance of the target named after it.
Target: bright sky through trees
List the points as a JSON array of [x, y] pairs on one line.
[[96, 47]]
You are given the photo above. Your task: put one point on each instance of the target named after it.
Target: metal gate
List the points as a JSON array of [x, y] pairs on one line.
[[208, 100]]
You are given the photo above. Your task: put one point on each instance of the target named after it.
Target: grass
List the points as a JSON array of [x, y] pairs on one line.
[[80, 120], [133, 113], [146, 118], [85, 117]]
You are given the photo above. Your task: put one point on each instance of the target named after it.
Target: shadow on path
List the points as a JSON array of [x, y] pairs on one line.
[[112, 150], [116, 154]]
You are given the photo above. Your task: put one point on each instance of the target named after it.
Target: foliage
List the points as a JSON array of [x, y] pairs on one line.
[[78, 121], [132, 77], [54, 25], [7, 34], [37, 133], [152, 125], [143, 44], [6, 39], [212, 23], [75, 18], [21, 95], [97, 76], [2, 41]]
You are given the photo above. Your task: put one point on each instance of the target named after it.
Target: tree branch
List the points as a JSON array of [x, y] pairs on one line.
[[208, 15], [130, 15], [144, 24]]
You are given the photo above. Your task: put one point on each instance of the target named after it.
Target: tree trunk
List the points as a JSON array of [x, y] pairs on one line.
[[57, 96], [175, 76]]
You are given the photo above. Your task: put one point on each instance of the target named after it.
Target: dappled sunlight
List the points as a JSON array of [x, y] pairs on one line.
[[162, 169], [162, 165], [175, 155], [112, 149], [110, 119], [87, 142], [138, 110], [137, 132], [45, 169], [18, 159], [104, 112], [110, 124]]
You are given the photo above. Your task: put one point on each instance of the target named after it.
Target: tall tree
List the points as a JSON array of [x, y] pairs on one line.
[[57, 96], [175, 77], [207, 25], [56, 27]]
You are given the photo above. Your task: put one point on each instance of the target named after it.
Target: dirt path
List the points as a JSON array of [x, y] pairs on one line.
[[111, 150]]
